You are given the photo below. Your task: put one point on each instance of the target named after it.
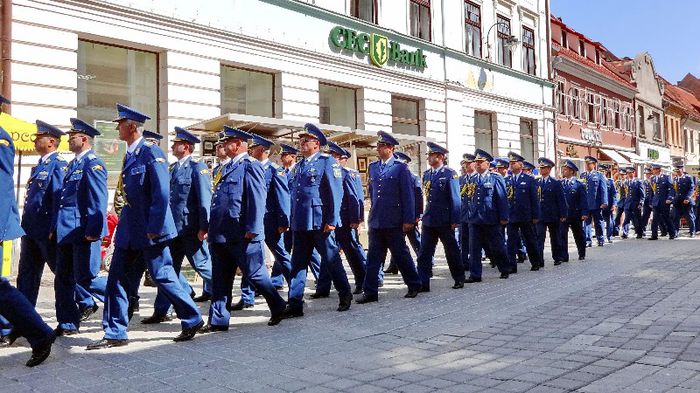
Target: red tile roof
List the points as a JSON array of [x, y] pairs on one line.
[[682, 99], [601, 69]]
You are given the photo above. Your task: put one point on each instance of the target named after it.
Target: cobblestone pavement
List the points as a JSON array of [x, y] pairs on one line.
[[624, 320]]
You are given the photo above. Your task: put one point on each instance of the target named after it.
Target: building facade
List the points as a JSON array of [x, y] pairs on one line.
[[471, 74]]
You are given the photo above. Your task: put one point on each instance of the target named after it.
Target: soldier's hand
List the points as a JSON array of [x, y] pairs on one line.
[[604, 206], [584, 218], [282, 229], [455, 226], [249, 235], [202, 234], [686, 201], [91, 238], [50, 235], [668, 202], [407, 227], [504, 222], [355, 225], [328, 228], [151, 236], [562, 219], [535, 220]]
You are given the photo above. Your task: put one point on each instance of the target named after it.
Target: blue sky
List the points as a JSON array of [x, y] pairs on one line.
[[668, 29]]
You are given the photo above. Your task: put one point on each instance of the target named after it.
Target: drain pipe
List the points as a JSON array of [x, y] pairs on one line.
[[6, 52]]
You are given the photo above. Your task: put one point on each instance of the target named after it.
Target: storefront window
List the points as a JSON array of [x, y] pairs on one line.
[[337, 105], [247, 92], [483, 131], [404, 114], [108, 75]]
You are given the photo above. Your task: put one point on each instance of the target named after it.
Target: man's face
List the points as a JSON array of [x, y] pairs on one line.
[[677, 172], [257, 152], [481, 165], [631, 174], [180, 149], [566, 171], [590, 166], [648, 175], [435, 159], [76, 141], [231, 146], [287, 159], [471, 167], [384, 151], [502, 170], [125, 129], [516, 166], [545, 170], [44, 144], [656, 171], [220, 151], [308, 146]]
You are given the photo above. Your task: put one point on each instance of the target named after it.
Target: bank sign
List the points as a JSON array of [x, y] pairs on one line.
[[378, 47]]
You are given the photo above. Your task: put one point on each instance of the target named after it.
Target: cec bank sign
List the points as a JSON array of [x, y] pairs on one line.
[[378, 47]]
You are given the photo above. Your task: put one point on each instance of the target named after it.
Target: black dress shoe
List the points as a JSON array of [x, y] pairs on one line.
[[504, 275], [188, 333], [424, 289], [365, 298], [458, 285], [345, 301], [411, 293], [106, 343], [10, 339], [392, 269], [653, 238], [582, 258], [153, 319], [535, 268], [317, 295], [59, 331], [202, 298], [148, 281], [212, 328], [40, 352], [240, 306], [557, 263], [290, 312], [471, 280], [85, 314], [514, 270], [358, 290]]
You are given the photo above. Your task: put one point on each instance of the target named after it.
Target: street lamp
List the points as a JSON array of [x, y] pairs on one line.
[[511, 41]]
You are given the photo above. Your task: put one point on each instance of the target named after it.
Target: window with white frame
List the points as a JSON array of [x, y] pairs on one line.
[[405, 116], [604, 112], [247, 92], [504, 55], [590, 107], [365, 10], [472, 28], [527, 138], [420, 18], [484, 133], [575, 107], [642, 120], [337, 105], [529, 64], [657, 126], [561, 98], [616, 114]]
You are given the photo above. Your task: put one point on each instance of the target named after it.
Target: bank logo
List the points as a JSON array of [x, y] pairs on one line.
[[379, 49]]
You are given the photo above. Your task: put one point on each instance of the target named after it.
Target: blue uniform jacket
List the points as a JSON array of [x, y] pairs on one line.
[[238, 203], [9, 215], [392, 192], [647, 193], [612, 194], [552, 200], [621, 192], [146, 192], [278, 203], [43, 193], [443, 203], [466, 190], [82, 207], [418, 197], [662, 189], [684, 187], [359, 189], [576, 198], [317, 193], [596, 189], [634, 194], [351, 207], [489, 202], [523, 198], [190, 196]]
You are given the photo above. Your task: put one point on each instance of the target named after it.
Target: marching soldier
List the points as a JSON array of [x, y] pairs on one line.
[[634, 200], [190, 201], [528, 168], [391, 190], [607, 211], [40, 206], [466, 190], [553, 211], [80, 225], [220, 153], [524, 206], [317, 194], [662, 198], [646, 208], [441, 218], [15, 309], [146, 228], [620, 177], [488, 213], [684, 186], [696, 196], [236, 232], [597, 196], [576, 213], [276, 219], [502, 166]]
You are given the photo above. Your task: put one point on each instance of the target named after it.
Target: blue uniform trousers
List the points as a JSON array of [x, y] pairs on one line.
[[579, 238], [617, 221], [159, 262], [21, 314], [464, 244], [487, 237], [197, 253], [392, 239], [554, 239], [697, 216], [595, 217], [633, 216], [349, 242], [682, 210], [325, 244], [429, 238], [646, 213], [282, 267], [413, 237], [517, 232], [250, 258], [609, 223], [661, 219], [314, 264], [77, 266]]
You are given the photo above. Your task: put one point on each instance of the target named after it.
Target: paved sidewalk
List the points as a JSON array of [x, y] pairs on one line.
[[626, 319]]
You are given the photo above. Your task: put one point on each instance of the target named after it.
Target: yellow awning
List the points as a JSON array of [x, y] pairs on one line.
[[23, 132]]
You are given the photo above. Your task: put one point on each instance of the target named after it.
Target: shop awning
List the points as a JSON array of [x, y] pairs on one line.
[[634, 157], [615, 156], [23, 132]]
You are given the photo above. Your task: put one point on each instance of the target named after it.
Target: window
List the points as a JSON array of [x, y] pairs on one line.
[[472, 28], [505, 56], [365, 10], [616, 114], [575, 108], [483, 131], [564, 40], [337, 105], [604, 112], [642, 120], [420, 19], [582, 48], [405, 116], [561, 98], [597, 56], [685, 140], [109, 74], [247, 92], [657, 126], [527, 139], [591, 108], [627, 119], [529, 65]]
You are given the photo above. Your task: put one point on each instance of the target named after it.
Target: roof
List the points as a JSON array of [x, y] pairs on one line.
[[683, 99]]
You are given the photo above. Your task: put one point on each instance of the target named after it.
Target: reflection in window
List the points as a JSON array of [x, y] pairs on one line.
[[420, 19], [405, 116], [657, 126], [505, 56], [337, 105], [484, 131], [247, 92], [527, 139], [365, 10], [529, 51], [472, 28]]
